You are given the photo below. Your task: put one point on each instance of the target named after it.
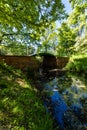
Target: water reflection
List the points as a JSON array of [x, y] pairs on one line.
[[69, 92], [74, 90]]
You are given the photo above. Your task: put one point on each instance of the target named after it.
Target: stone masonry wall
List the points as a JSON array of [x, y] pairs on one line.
[[52, 62], [25, 62], [21, 62]]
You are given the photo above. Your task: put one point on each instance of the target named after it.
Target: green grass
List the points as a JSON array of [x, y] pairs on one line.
[[20, 107], [77, 63]]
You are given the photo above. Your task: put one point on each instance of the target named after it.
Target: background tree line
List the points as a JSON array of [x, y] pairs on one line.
[[30, 27]]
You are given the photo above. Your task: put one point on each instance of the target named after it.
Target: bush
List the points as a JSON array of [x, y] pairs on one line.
[[77, 63]]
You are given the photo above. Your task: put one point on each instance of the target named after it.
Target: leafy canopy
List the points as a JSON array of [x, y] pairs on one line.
[[23, 22], [70, 34], [32, 13]]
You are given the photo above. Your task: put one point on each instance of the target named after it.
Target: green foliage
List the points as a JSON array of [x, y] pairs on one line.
[[76, 2], [20, 107], [22, 23], [66, 37], [78, 17], [72, 33], [77, 63], [30, 13], [81, 45], [49, 39]]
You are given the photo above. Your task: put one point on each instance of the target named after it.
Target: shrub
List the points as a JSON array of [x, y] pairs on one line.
[[77, 63]]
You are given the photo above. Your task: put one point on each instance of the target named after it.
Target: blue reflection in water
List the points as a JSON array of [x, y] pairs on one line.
[[74, 94], [58, 105]]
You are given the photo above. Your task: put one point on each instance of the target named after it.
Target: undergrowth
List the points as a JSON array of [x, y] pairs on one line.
[[20, 107], [77, 63]]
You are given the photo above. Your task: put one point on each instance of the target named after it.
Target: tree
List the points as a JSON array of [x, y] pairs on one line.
[[49, 39], [30, 13], [74, 3], [19, 18], [81, 45], [78, 20], [73, 29], [66, 39], [78, 17]]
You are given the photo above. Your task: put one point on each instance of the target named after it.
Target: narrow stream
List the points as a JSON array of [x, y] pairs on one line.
[[66, 100]]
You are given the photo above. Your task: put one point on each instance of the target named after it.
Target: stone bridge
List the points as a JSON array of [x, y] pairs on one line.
[[20, 62], [24, 62]]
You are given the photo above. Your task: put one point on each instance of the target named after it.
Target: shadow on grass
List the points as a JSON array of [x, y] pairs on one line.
[[20, 108]]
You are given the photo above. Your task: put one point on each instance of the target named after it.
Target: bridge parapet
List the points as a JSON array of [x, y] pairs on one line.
[[25, 62], [20, 62]]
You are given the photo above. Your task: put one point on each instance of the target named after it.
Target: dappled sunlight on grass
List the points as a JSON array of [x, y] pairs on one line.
[[20, 107], [77, 63], [79, 56], [20, 81]]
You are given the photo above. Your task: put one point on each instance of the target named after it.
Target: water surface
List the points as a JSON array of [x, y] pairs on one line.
[[68, 96]]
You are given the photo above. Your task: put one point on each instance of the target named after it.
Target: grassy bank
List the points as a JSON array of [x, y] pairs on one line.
[[20, 107], [77, 63]]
